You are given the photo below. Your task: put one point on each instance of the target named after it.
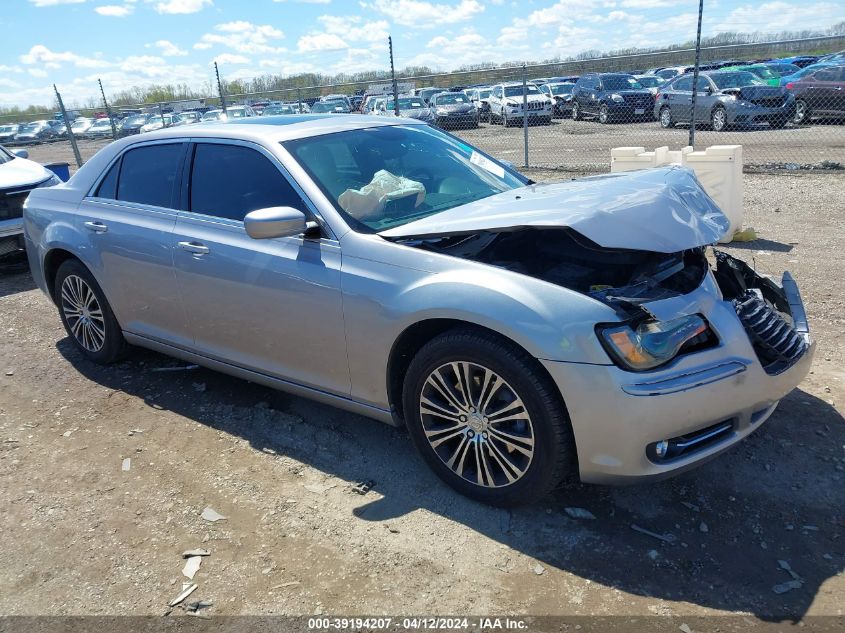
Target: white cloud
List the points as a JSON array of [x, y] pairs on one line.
[[8, 83], [421, 14], [320, 42], [168, 49], [53, 3], [779, 16], [37, 72], [353, 28], [307, 1], [647, 4], [40, 54], [243, 37], [231, 58], [115, 10], [182, 6]]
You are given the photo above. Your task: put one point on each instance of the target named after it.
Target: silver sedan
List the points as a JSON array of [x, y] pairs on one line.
[[519, 331]]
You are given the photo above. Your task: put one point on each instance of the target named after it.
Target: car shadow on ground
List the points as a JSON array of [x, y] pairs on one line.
[[712, 537], [14, 270], [762, 244]]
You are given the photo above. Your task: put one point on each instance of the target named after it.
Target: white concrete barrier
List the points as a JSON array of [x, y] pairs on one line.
[[718, 169]]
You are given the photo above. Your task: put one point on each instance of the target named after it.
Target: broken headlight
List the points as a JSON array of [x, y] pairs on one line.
[[652, 343]]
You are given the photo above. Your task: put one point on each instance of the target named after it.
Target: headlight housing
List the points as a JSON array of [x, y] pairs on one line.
[[652, 343], [618, 98]]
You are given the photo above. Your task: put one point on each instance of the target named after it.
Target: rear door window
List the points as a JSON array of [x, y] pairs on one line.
[[148, 174], [684, 83], [229, 181]]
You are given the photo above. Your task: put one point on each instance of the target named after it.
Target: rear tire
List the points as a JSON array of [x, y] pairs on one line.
[[464, 443], [802, 113], [87, 315], [665, 117]]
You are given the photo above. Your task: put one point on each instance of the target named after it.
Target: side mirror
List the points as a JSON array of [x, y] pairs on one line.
[[21, 153], [271, 222]]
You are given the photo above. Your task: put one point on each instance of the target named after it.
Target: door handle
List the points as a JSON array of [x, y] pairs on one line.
[[194, 247], [96, 227]]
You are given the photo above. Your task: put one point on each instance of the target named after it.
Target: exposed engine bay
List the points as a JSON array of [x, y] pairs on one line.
[[626, 279], [621, 278]]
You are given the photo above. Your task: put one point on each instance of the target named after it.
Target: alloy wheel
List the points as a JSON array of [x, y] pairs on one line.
[[604, 115], [800, 111], [83, 313], [666, 117], [477, 424], [720, 119]]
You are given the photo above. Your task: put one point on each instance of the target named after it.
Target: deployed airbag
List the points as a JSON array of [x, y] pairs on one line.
[[371, 199]]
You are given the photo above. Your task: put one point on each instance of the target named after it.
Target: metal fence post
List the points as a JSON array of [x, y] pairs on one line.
[[695, 75], [525, 111], [393, 78], [108, 111], [70, 135], [220, 90]]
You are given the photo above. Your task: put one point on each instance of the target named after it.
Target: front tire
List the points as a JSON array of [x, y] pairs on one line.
[[719, 119], [86, 314], [576, 112], [486, 419], [604, 114]]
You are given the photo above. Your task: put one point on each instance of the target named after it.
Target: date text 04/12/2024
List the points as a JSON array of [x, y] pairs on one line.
[[417, 623]]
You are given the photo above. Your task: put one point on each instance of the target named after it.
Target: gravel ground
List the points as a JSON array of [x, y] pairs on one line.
[[81, 535], [586, 145]]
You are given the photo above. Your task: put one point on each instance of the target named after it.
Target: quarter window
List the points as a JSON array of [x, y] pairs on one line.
[[229, 181], [108, 187], [147, 174]]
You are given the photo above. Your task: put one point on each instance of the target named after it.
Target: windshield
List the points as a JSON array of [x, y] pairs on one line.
[[138, 119], [762, 72], [97, 123], [483, 94], [212, 115], [782, 69], [277, 110], [724, 81], [407, 104], [236, 113], [451, 98], [5, 155], [620, 82], [31, 127], [650, 82], [79, 124], [561, 89], [6, 129], [516, 91], [331, 106], [382, 177]]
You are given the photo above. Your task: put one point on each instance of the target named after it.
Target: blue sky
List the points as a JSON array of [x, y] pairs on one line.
[[137, 42]]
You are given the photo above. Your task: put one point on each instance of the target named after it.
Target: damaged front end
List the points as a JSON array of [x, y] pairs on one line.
[[629, 280]]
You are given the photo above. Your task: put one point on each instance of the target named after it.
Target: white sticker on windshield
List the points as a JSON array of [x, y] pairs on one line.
[[486, 163]]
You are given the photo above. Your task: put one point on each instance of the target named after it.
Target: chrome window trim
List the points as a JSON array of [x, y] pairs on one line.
[[264, 151]]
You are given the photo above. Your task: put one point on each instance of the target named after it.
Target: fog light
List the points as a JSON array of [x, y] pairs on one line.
[[661, 448]]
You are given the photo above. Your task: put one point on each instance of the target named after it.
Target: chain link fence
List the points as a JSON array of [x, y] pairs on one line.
[[568, 115]]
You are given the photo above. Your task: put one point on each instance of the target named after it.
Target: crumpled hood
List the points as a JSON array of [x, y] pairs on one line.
[[663, 210], [455, 107], [21, 172]]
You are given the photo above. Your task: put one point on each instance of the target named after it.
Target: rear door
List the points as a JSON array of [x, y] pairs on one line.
[[271, 305], [705, 99], [680, 99], [128, 220]]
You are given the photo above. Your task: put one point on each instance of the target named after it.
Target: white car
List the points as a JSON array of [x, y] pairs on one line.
[[18, 176], [158, 122], [232, 112], [506, 104]]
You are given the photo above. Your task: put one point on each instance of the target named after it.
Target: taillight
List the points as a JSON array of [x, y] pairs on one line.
[[789, 86]]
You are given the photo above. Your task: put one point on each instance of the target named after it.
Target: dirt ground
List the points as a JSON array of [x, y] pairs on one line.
[[80, 535]]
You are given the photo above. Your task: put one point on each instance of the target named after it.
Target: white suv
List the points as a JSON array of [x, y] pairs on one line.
[[506, 102]]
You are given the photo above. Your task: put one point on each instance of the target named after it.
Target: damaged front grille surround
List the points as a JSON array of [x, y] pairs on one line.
[[772, 316]]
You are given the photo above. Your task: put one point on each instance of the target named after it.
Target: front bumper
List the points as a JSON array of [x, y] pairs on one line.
[[617, 416], [746, 112]]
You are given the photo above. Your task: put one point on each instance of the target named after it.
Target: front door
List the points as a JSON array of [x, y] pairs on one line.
[[274, 305]]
